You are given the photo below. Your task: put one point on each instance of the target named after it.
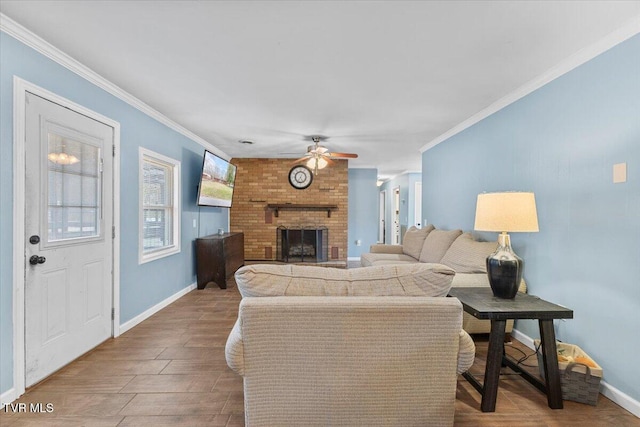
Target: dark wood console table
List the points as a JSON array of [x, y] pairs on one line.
[[218, 256], [480, 303]]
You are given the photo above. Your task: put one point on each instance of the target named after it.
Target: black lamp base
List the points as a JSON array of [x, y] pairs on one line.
[[504, 269]]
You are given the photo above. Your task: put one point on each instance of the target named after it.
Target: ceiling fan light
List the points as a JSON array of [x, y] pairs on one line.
[[319, 162]]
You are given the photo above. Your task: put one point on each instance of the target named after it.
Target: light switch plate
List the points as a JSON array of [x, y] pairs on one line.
[[619, 173]]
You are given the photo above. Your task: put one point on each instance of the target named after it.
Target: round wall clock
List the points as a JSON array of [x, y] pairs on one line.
[[300, 177]]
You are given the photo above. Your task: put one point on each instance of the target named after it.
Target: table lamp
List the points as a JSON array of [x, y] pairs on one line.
[[505, 212]]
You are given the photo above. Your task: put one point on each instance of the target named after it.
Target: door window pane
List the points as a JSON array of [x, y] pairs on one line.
[[74, 179]]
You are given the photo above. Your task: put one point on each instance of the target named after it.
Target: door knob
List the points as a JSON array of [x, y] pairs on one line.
[[35, 259]]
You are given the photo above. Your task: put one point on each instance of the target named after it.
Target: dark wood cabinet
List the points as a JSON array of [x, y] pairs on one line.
[[218, 257]]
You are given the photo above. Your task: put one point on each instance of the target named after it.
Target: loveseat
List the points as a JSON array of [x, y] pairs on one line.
[[453, 248], [378, 346]]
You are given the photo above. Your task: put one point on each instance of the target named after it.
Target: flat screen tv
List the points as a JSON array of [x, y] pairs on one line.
[[216, 181]]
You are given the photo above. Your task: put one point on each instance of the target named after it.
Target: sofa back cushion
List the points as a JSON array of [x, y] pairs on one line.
[[432, 280], [413, 240], [467, 255], [436, 244]]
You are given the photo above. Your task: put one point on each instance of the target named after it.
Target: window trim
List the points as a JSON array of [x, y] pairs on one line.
[[144, 257]]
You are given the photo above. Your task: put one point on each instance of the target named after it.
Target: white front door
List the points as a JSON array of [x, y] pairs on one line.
[[68, 232]]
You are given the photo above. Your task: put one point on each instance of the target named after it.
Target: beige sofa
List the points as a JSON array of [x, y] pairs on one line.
[[453, 248], [359, 347]]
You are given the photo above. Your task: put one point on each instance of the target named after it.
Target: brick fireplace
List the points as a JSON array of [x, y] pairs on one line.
[[264, 182]]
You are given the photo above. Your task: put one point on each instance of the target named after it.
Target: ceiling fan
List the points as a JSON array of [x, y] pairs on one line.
[[319, 157]]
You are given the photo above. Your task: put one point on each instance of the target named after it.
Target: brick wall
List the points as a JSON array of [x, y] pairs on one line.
[[266, 181]]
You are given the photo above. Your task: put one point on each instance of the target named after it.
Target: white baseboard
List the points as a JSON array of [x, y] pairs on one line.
[[8, 397], [616, 396], [353, 258], [620, 398], [524, 339], [156, 308]]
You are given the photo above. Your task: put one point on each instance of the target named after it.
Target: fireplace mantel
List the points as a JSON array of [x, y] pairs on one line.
[[301, 207]]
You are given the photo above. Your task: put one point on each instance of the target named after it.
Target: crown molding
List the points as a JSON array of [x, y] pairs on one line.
[[392, 177], [628, 30], [20, 33]]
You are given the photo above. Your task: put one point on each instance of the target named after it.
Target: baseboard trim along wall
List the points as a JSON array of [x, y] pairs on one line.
[[8, 397], [156, 308], [618, 397]]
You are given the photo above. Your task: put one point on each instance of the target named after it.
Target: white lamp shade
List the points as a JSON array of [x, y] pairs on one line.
[[509, 211]]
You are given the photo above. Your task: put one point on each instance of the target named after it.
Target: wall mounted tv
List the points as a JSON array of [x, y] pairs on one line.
[[216, 181]]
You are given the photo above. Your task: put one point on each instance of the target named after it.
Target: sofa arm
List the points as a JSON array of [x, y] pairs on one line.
[[386, 249], [234, 350], [466, 352]]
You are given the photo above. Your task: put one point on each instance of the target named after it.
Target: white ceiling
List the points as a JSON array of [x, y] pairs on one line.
[[381, 79]]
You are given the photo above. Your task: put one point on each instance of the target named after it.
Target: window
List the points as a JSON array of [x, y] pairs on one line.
[[159, 206], [74, 182]]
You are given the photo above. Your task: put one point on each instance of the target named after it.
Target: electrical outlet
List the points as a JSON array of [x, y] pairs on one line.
[[195, 223], [358, 242]]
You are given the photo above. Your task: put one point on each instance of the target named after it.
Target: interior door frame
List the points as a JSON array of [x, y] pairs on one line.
[[382, 214], [20, 89], [417, 207]]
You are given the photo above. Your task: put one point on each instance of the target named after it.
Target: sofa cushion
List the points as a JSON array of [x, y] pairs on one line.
[[437, 243], [379, 248], [470, 280], [467, 255], [475, 280], [370, 259], [413, 240], [417, 279]]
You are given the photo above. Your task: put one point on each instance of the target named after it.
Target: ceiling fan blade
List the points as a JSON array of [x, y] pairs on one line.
[[342, 155], [300, 160]]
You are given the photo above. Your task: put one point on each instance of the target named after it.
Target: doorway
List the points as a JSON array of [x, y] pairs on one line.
[[382, 211], [66, 292], [396, 216], [417, 208]]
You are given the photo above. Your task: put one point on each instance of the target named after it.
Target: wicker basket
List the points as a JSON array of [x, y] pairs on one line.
[[579, 382]]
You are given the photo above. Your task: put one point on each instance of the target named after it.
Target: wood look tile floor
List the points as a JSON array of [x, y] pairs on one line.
[[170, 370]]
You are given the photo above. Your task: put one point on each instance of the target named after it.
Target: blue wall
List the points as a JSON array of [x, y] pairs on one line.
[[363, 210], [561, 142], [141, 286]]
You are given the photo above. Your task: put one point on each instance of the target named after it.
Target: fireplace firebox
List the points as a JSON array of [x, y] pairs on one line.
[[302, 244]]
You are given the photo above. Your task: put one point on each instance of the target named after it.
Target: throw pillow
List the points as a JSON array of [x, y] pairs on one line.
[[414, 240], [414, 279], [467, 255], [437, 243]]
